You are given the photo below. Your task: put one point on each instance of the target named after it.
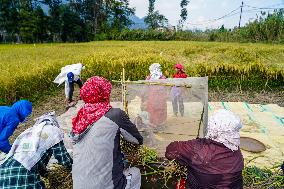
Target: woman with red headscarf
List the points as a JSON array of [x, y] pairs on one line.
[[177, 99], [98, 161]]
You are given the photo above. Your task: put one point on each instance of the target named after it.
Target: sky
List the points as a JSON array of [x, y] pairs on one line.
[[202, 12]]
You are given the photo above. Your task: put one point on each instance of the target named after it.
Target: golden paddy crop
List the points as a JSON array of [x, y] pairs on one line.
[[28, 70]]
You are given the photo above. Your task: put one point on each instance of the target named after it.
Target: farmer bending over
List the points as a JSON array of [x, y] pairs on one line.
[[98, 161], [30, 154], [10, 117], [216, 160], [70, 74]]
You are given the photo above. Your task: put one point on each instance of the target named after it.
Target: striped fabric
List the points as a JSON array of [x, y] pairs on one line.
[[15, 176]]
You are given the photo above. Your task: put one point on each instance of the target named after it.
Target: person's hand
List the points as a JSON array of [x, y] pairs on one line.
[[73, 103], [138, 121]]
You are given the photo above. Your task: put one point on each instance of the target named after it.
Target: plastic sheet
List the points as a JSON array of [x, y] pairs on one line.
[[168, 110]]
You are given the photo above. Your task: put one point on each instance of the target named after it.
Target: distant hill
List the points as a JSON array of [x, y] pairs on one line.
[[138, 23]]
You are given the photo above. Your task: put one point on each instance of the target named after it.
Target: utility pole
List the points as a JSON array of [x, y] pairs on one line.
[[241, 14]]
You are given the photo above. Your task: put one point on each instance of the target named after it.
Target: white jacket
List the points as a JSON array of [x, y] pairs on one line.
[[74, 68]]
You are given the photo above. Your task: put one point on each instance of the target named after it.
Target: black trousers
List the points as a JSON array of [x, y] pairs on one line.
[[71, 88]]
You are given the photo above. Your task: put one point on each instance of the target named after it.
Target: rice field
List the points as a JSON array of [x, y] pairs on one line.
[[27, 71]]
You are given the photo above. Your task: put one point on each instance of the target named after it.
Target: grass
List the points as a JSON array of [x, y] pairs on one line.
[[28, 70]]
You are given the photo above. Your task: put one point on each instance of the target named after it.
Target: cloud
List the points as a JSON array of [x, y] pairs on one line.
[[224, 4], [204, 10], [141, 7]]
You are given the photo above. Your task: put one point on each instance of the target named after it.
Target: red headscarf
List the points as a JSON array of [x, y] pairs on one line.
[[96, 95], [181, 73]]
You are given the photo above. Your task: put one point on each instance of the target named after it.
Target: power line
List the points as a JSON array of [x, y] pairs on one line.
[[232, 13], [216, 19], [268, 7]]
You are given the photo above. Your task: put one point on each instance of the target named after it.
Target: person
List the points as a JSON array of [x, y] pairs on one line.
[[96, 131], [10, 118], [142, 123], [31, 152], [216, 160], [155, 98], [155, 72], [180, 73], [70, 74], [177, 98]]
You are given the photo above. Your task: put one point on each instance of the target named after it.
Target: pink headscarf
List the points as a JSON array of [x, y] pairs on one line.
[[96, 95]]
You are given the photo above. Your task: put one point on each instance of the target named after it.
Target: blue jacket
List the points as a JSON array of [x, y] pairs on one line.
[[10, 117]]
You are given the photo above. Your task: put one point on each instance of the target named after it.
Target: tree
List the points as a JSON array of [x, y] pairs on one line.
[[72, 25], [183, 13], [120, 13], [154, 19], [41, 22], [151, 6], [9, 18], [77, 20], [222, 29], [54, 20], [93, 14], [28, 21]]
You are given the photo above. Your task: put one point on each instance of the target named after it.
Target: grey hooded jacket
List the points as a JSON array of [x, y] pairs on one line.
[[97, 158]]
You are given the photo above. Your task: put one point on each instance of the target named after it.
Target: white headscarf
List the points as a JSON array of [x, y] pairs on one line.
[[155, 71], [224, 127], [74, 68], [33, 142]]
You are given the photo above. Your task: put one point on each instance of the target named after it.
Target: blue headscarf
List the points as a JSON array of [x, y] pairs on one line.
[[23, 109], [70, 77]]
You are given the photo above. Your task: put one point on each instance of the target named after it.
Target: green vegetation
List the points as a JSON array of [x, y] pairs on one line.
[[265, 29], [25, 21]]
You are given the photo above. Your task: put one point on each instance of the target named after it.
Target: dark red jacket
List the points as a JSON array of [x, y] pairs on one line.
[[210, 164]]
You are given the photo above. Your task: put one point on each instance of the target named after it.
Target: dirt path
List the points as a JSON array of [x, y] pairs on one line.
[[264, 97], [56, 103]]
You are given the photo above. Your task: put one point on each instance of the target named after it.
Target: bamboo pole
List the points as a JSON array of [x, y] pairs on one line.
[[124, 100], [201, 121], [122, 88], [152, 83]]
